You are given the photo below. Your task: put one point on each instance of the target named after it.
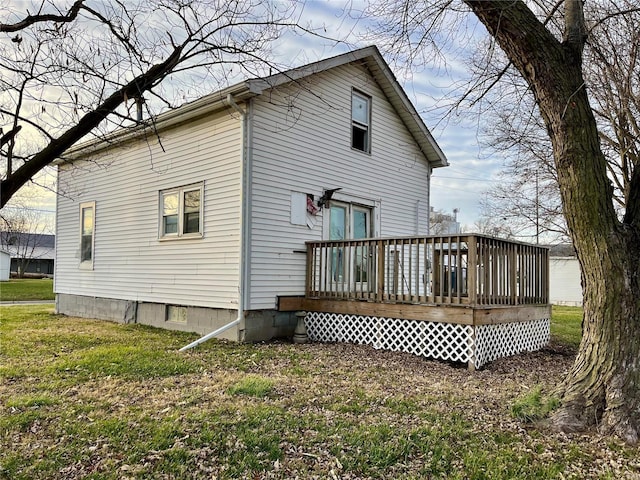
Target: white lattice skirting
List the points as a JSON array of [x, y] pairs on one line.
[[475, 345]]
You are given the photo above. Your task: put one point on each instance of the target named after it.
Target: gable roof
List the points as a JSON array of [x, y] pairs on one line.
[[562, 250], [38, 245], [43, 240], [373, 60], [368, 56]]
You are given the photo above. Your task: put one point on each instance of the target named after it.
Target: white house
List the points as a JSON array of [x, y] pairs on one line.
[[565, 287], [32, 254], [203, 219], [5, 264]]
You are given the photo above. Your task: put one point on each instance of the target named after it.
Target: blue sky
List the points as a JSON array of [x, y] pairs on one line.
[[470, 172]]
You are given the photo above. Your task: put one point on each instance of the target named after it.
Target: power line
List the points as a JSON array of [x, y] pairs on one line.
[[454, 188], [463, 178], [30, 209]]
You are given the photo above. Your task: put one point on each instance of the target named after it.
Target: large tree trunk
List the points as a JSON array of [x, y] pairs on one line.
[[603, 387]]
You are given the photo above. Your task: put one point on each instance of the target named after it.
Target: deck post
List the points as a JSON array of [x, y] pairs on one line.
[[545, 265], [473, 348], [472, 270], [310, 280], [513, 274], [381, 263]]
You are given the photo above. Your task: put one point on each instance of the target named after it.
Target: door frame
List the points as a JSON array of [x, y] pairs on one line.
[[374, 205], [351, 202]]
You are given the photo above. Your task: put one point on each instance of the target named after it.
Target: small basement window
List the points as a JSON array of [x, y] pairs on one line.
[[360, 122], [181, 212], [176, 314]]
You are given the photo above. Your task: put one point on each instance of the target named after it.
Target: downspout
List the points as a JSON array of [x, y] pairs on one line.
[[429, 201], [243, 230], [215, 333]]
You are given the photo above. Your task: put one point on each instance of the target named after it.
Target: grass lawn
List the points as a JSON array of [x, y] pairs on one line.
[[566, 325], [97, 400], [22, 289]]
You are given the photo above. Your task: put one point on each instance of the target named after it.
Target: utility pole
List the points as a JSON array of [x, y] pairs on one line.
[[537, 206]]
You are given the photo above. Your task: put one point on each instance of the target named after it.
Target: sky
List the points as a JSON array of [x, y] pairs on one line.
[[471, 169]]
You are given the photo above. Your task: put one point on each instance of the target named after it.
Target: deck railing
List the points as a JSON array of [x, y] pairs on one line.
[[458, 269]]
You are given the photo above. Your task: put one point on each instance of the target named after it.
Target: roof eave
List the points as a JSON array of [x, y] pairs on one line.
[[371, 56], [406, 111], [192, 110]]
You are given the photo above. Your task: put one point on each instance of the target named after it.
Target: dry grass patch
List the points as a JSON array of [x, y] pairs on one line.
[[106, 401]]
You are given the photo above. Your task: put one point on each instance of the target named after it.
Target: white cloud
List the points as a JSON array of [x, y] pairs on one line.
[[458, 186]]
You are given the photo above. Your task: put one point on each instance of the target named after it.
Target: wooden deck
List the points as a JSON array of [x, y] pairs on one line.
[[490, 280], [458, 314], [463, 281]]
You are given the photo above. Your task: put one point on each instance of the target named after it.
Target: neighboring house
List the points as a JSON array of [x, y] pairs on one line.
[[5, 262], [204, 217], [303, 191], [565, 287], [31, 253]]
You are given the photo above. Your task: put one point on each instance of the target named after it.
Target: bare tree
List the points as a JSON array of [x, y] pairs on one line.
[[71, 70], [547, 51], [527, 200], [612, 70], [442, 223], [528, 195], [493, 227]]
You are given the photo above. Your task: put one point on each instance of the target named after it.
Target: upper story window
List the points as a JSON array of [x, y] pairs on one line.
[[181, 212], [87, 230], [361, 121]]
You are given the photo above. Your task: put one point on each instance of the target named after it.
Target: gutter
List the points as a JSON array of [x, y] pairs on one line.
[[230, 101], [185, 113], [429, 201]]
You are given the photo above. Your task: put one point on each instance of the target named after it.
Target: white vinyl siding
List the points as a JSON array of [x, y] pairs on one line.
[[131, 262], [564, 281], [312, 151]]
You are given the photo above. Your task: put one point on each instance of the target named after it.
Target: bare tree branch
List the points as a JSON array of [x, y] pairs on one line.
[[91, 120], [9, 135], [71, 73], [611, 15], [30, 20]]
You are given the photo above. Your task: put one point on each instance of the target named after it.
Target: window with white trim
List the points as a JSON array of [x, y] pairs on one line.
[[87, 231], [360, 121], [181, 212]]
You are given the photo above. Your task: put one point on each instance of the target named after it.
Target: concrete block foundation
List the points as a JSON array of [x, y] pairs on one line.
[[258, 325]]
